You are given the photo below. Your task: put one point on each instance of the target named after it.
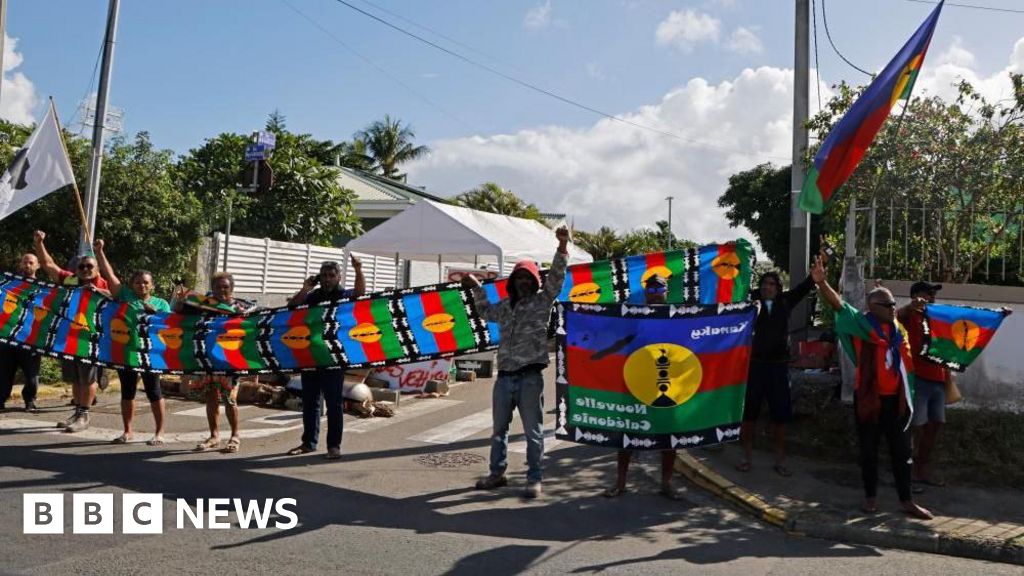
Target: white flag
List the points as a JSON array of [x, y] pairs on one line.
[[41, 167]]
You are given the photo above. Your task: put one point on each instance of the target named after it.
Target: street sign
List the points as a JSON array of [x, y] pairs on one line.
[[267, 138], [256, 152]]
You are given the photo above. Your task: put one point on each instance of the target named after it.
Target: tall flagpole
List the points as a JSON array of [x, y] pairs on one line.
[[92, 194], [799, 221], [74, 181]]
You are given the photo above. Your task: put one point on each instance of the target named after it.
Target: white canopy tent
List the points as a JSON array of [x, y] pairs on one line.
[[431, 231]]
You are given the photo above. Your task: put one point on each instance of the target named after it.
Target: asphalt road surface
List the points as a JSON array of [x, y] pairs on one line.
[[398, 502]]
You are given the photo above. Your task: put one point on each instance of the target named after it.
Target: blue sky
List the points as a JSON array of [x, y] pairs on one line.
[[191, 69]]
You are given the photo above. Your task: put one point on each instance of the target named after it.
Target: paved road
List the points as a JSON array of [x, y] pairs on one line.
[[390, 507]]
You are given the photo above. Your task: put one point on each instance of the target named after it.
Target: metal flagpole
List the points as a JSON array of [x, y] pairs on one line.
[[92, 193], [670, 199], [799, 221]]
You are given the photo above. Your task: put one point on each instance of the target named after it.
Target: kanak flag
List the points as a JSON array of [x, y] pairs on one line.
[[39, 168]]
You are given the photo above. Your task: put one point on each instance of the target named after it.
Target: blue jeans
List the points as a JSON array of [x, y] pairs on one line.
[[328, 384], [524, 391]]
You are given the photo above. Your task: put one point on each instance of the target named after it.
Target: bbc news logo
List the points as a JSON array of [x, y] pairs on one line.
[[144, 513]]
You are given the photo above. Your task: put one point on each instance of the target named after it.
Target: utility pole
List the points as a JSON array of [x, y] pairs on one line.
[[92, 194], [670, 199], [799, 221]]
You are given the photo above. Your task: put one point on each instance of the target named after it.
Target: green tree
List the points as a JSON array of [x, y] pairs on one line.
[[390, 144], [490, 197], [949, 173], [601, 245]]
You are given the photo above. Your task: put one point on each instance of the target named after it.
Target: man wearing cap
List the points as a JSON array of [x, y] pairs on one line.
[[327, 382], [655, 292], [522, 354], [929, 383], [85, 377]]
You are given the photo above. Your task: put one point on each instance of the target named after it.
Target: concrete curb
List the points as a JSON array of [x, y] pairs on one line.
[[823, 526]]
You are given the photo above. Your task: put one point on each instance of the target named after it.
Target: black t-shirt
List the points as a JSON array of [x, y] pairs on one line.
[[319, 295]]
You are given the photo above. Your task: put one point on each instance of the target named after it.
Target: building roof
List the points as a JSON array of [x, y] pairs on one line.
[[372, 188]]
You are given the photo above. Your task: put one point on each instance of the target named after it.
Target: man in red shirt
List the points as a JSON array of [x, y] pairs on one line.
[[929, 383], [85, 376]]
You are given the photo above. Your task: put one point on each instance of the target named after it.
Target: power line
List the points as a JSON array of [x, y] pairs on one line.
[[522, 83], [82, 105], [824, 17], [972, 6], [377, 67]]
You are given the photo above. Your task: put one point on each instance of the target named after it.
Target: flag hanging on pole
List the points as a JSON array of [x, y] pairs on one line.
[[853, 134], [39, 168]]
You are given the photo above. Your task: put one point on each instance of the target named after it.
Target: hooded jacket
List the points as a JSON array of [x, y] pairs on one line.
[[524, 327]]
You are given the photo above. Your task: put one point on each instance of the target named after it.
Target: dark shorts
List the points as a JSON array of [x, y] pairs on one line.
[[929, 401], [130, 385], [82, 374], [768, 381]]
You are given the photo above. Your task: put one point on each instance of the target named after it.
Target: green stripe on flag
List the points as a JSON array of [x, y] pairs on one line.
[[705, 409], [810, 197], [741, 284], [314, 319], [948, 350], [453, 305], [389, 341]]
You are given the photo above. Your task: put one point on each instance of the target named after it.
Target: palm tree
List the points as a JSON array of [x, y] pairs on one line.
[[389, 144], [604, 244], [489, 197]]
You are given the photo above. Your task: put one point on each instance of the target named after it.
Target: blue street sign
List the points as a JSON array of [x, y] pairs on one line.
[[256, 152], [267, 138]]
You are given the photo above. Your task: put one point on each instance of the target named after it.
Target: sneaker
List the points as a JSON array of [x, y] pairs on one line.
[[532, 490], [69, 420], [80, 424], [491, 482], [31, 408], [333, 453]]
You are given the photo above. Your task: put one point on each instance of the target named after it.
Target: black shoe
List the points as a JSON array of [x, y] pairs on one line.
[[31, 408]]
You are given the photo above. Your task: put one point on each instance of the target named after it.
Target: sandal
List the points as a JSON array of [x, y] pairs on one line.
[[743, 466], [155, 441], [122, 439], [781, 470], [208, 444], [233, 445], [299, 450], [614, 492]]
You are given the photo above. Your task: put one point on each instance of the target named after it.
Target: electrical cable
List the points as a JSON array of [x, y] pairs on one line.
[[824, 18]]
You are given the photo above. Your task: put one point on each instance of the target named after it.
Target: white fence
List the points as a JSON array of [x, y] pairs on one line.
[[264, 266]]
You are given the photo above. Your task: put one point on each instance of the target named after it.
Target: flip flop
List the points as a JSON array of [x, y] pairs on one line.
[[743, 466], [614, 492], [208, 444], [122, 439], [155, 441], [233, 445], [781, 470]]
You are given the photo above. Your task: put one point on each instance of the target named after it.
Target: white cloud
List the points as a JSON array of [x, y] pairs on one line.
[[539, 16], [744, 41], [941, 75], [618, 175], [18, 97], [684, 29]]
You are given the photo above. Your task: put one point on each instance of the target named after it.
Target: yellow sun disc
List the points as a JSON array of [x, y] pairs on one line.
[[586, 293], [296, 338], [659, 270], [439, 322], [171, 337], [119, 331], [726, 265], [231, 339], [965, 334], [10, 303], [366, 333], [662, 375]]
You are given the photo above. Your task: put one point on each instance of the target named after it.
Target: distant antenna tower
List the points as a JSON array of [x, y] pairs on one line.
[[113, 123]]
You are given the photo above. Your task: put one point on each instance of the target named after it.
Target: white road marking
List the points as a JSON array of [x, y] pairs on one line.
[[402, 414], [456, 429], [201, 411]]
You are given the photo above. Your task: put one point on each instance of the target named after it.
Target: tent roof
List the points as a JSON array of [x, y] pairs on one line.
[[429, 229]]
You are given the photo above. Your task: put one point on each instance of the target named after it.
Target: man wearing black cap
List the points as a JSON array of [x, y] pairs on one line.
[[929, 383]]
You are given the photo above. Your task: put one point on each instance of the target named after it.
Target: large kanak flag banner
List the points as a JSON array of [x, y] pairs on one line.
[[39, 168], [651, 377]]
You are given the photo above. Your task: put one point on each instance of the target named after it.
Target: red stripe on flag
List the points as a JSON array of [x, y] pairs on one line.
[[719, 369], [235, 357], [47, 306], [117, 350], [725, 285], [303, 356], [944, 330], [71, 343], [431, 302], [14, 292], [655, 259], [581, 274], [363, 314], [842, 160], [171, 355]]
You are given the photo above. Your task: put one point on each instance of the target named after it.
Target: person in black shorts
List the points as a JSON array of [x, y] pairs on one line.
[[768, 378]]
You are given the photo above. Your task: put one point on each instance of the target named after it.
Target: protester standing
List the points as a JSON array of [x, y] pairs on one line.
[[139, 297], [326, 383], [13, 358], [879, 347], [85, 377], [522, 354]]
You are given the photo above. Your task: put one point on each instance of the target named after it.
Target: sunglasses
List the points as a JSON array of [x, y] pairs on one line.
[[656, 289], [889, 305], [85, 266]]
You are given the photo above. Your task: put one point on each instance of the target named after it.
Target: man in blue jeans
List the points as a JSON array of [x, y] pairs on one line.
[[522, 355], [325, 382]]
